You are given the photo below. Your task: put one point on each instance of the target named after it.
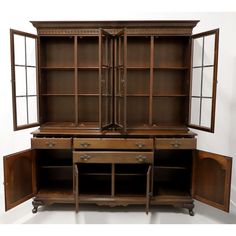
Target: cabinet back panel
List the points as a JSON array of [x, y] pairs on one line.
[[59, 108], [138, 81], [88, 109], [88, 51], [171, 52], [57, 82], [137, 111], [169, 111], [88, 82], [138, 51], [169, 82], [57, 51]]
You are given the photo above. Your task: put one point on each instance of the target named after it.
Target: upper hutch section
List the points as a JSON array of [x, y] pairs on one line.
[[114, 27], [115, 75]]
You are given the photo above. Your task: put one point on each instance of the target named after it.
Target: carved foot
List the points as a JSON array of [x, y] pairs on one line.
[[190, 208], [36, 204], [191, 213]]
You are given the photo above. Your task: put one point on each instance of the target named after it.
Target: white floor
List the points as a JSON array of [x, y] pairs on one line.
[[92, 214]]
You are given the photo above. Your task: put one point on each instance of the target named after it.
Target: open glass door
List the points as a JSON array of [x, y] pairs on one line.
[[24, 79], [105, 79], [204, 80], [212, 179], [19, 178], [120, 80]]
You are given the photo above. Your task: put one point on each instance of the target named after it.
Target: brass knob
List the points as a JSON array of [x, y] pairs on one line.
[[85, 157], [141, 158], [175, 145], [140, 145], [85, 145], [50, 144]]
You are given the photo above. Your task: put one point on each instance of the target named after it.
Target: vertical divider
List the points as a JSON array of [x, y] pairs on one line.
[[114, 87], [100, 77], [113, 179], [125, 80], [151, 80], [76, 80]]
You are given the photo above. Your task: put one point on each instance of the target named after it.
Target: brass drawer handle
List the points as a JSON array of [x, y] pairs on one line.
[[175, 145], [85, 145], [141, 158], [50, 144], [140, 145], [85, 157]]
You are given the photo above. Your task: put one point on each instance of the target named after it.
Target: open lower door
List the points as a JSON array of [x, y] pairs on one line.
[[212, 179], [19, 178]]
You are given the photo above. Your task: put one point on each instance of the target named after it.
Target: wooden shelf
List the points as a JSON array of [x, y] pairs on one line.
[[170, 95], [138, 95], [88, 67], [171, 68], [57, 94], [171, 167], [88, 94], [138, 67], [57, 68]]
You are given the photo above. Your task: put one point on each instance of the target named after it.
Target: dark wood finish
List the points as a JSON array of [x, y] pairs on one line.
[[175, 143], [19, 177], [51, 143], [211, 179], [114, 115], [108, 143]]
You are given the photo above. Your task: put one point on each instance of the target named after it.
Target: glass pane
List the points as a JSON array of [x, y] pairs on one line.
[[19, 49], [31, 80], [209, 50], [206, 112], [32, 106], [207, 85], [20, 81], [196, 81], [30, 51], [195, 111], [197, 51], [21, 111]]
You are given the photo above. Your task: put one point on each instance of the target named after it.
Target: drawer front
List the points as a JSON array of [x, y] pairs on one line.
[[51, 143], [113, 157], [112, 143], [175, 143]]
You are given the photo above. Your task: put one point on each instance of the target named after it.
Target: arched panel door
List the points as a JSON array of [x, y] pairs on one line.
[[212, 179]]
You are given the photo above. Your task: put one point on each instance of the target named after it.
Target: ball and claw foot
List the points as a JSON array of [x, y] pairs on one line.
[[191, 213], [35, 210]]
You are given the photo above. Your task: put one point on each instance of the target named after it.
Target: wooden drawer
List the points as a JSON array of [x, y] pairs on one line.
[[109, 143], [175, 143], [113, 157], [51, 143]]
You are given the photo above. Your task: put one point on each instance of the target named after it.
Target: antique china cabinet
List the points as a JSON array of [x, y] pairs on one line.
[[114, 101]]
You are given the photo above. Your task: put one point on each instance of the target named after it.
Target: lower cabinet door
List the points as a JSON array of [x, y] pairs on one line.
[[212, 179], [19, 177]]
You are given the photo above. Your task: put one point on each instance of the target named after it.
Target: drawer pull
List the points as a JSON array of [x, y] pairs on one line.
[[85, 145], [140, 145], [141, 158], [175, 145], [85, 157], [50, 144]]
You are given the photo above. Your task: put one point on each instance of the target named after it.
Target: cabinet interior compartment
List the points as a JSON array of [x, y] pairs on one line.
[[88, 111], [57, 51], [171, 52], [58, 109], [170, 111], [172, 173], [131, 179], [94, 179], [57, 82], [88, 51], [88, 81], [138, 82], [138, 51], [137, 112], [54, 170]]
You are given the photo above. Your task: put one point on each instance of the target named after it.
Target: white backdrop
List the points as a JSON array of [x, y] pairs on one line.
[[17, 16]]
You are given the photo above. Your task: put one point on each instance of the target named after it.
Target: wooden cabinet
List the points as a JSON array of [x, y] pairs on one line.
[[114, 102]]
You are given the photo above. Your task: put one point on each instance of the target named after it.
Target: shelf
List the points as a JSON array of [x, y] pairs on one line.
[[170, 95], [138, 67], [95, 174], [130, 174], [57, 94], [88, 67], [138, 95], [88, 94], [170, 68], [166, 190], [56, 167], [57, 68], [171, 167]]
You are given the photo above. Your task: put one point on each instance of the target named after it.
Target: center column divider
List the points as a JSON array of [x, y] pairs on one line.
[[151, 80], [76, 80]]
